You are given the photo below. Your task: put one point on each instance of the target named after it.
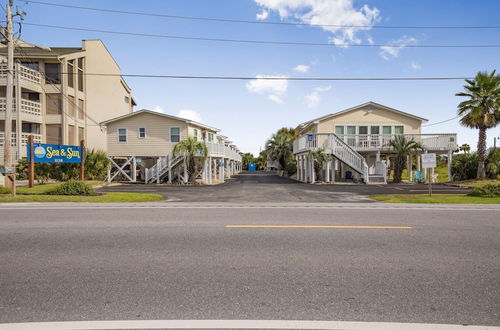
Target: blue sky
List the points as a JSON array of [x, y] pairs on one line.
[[249, 112]]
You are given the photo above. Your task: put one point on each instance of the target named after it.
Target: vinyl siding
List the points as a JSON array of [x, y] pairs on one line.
[[370, 117], [157, 142]]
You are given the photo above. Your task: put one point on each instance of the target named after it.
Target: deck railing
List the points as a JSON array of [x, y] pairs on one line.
[[24, 72], [368, 142], [220, 150], [27, 106]]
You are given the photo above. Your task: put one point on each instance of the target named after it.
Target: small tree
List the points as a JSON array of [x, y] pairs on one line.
[[280, 146], [247, 158], [191, 149], [319, 157], [403, 148]]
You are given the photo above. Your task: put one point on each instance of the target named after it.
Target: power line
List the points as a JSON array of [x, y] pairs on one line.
[[441, 122], [226, 20], [274, 78], [255, 41]]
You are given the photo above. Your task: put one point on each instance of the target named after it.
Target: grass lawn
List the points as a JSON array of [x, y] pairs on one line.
[[44, 188], [436, 198], [441, 170], [475, 183], [110, 197]]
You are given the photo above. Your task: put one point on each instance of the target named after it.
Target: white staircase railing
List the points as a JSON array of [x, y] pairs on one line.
[[162, 166], [337, 147], [348, 155]]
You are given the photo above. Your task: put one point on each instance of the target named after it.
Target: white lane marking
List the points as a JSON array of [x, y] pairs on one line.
[[236, 324]]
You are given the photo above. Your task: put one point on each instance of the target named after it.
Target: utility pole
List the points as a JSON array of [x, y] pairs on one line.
[[10, 181]]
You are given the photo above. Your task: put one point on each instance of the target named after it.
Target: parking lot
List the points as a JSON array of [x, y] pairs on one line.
[[267, 187]]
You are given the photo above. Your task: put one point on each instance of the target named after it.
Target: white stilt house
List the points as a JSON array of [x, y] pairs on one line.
[[357, 137], [141, 144]]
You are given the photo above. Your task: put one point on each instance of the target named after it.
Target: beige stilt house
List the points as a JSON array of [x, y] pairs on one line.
[[140, 146], [357, 137]]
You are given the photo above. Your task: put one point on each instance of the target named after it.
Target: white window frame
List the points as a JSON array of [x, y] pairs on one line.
[[139, 133], [126, 135], [170, 134]]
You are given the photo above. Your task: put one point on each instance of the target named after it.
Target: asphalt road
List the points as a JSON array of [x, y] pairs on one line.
[[62, 263], [262, 187]]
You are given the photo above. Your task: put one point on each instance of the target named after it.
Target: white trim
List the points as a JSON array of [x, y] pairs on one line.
[[139, 133], [126, 134]]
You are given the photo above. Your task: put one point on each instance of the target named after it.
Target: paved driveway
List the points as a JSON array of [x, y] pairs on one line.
[[262, 187]]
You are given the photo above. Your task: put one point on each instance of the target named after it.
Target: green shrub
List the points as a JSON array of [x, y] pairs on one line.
[[493, 164], [488, 190], [291, 168], [464, 167], [73, 188], [96, 164], [4, 190]]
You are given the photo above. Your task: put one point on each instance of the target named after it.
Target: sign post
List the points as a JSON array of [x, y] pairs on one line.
[[428, 162]]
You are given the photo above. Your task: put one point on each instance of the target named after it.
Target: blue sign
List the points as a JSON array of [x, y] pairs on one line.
[[252, 167], [310, 137], [54, 153]]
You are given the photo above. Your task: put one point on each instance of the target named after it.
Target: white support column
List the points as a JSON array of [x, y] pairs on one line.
[[209, 170], [108, 171], [450, 158], [334, 167], [378, 156], [133, 171], [223, 169], [327, 176], [169, 162], [158, 170], [313, 174]]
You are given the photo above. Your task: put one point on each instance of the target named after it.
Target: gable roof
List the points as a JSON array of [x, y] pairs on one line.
[[375, 105], [135, 113]]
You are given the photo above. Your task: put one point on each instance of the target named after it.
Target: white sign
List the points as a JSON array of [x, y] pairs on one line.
[[428, 160]]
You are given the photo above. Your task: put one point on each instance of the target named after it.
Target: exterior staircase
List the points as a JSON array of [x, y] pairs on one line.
[[162, 168]]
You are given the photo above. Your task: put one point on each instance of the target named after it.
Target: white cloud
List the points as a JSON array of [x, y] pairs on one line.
[[314, 98], [157, 109], [274, 89], [327, 12], [302, 68], [392, 51], [262, 15], [189, 114], [415, 66]]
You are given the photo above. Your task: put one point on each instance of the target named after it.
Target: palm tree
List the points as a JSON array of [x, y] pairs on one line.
[[403, 148], [481, 110], [247, 158], [319, 157], [191, 149], [465, 148], [280, 146]]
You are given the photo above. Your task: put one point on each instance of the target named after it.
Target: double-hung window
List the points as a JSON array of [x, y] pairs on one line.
[[175, 134], [142, 132], [122, 135], [398, 129]]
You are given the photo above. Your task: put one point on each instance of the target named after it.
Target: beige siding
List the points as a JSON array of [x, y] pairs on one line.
[[157, 142], [370, 117], [105, 94]]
